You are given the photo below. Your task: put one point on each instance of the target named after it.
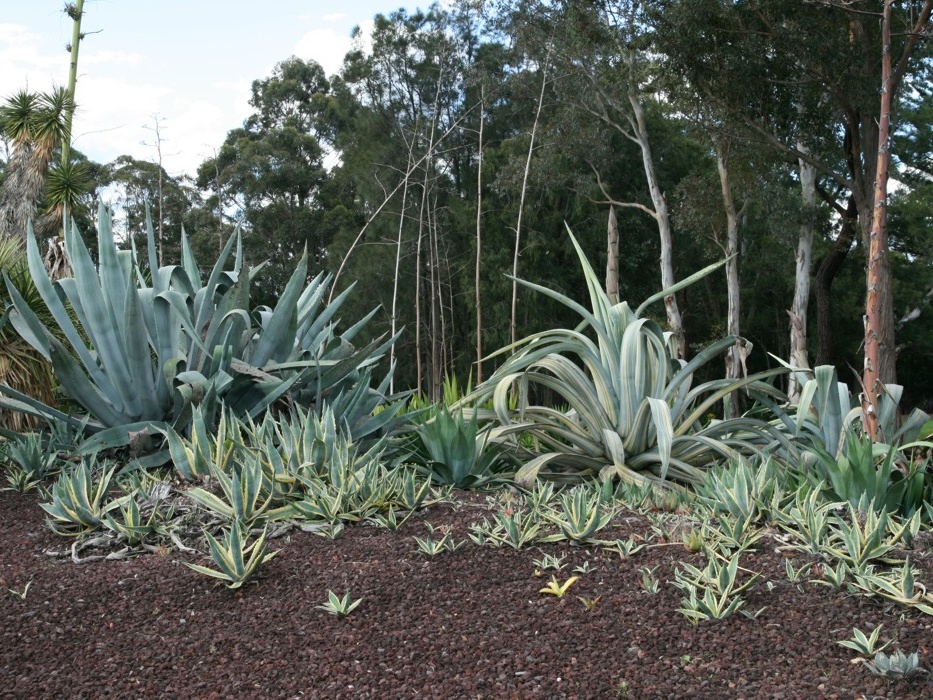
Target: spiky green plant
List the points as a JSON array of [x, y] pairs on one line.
[[896, 665], [236, 561], [873, 471], [339, 606], [711, 593], [21, 367], [632, 410], [131, 524], [581, 512], [150, 344], [242, 495], [456, 451], [79, 500]]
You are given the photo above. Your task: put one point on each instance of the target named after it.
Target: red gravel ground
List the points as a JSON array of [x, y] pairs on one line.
[[467, 624]]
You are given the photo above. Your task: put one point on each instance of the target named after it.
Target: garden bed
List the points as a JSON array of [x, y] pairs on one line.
[[465, 624]]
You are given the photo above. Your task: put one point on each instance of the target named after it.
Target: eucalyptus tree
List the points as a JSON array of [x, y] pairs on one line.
[[805, 79], [273, 171], [602, 53], [139, 190], [403, 146]]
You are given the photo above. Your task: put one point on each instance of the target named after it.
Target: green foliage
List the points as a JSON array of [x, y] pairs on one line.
[[807, 519], [131, 523], [244, 498], [830, 447], [867, 535], [712, 593], [864, 645], [236, 561], [898, 585], [79, 500], [896, 665], [431, 547], [457, 451], [21, 367], [741, 489], [581, 512], [876, 472], [649, 579], [514, 527], [144, 355], [29, 461], [633, 413], [339, 607]]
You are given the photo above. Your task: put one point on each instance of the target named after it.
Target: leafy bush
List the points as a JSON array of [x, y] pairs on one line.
[[632, 413]]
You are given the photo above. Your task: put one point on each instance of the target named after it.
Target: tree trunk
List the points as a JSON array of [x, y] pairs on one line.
[[674, 318], [521, 205], [879, 309], [823, 284], [398, 261], [612, 257], [798, 309], [479, 240], [734, 359]]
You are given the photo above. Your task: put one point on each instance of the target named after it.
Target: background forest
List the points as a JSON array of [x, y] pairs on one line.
[[449, 153]]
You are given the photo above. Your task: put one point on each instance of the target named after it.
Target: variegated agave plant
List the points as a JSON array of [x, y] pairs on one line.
[[148, 345], [633, 412]]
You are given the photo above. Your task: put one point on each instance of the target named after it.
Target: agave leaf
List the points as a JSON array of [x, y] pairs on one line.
[[682, 284]]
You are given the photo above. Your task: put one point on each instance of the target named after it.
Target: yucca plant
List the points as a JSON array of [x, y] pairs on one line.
[[633, 412], [149, 343], [236, 561]]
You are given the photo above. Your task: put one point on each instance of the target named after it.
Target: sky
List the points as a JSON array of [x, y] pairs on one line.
[[186, 65]]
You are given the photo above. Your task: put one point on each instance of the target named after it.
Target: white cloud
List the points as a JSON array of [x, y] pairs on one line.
[[325, 46]]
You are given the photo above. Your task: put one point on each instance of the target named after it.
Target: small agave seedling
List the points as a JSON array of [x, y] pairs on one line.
[[864, 645], [897, 665], [237, 562], [339, 607], [558, 589]]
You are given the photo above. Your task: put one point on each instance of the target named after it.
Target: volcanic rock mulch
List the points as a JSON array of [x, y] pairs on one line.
[[467, 624]]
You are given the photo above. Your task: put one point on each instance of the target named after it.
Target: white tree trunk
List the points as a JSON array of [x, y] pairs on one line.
[[479, 240], [659, 201], [734, 359], [521, 205], [798, 310]]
